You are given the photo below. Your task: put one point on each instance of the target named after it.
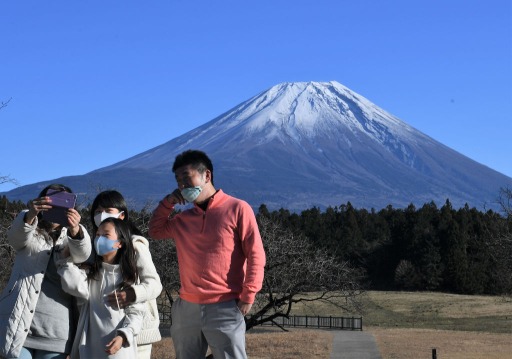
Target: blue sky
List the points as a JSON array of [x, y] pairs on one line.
[[92, 83]]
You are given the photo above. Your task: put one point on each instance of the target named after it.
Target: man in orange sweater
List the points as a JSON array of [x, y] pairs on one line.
[[220, 257]]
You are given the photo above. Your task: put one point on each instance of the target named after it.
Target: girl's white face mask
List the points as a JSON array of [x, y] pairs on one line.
[[100, 217]]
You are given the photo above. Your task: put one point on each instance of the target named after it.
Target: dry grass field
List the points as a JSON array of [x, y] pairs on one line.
[[405, 325], [271, 344], [418, 343]]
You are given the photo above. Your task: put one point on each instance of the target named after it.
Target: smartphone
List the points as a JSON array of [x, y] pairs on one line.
[[61, 202]]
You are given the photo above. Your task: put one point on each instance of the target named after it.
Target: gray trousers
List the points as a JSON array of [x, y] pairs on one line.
[[220, 326]]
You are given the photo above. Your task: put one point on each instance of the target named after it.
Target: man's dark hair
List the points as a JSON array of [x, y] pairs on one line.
[[197, 159]]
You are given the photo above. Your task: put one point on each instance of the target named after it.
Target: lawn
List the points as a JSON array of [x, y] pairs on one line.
[[404, 324]]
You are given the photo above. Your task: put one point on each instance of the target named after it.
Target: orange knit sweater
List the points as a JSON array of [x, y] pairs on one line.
[[220, 252]]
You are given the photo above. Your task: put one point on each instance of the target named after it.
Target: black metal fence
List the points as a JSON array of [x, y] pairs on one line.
[[164, 310], [296, 321], [292, 321]]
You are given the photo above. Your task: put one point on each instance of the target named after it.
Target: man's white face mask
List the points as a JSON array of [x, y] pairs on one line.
[[191, 193]]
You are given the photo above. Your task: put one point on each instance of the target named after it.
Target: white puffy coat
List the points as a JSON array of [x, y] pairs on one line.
[[19, 297], [147, 290], [99, 323]]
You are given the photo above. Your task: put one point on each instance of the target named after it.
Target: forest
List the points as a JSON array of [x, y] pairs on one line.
[[430, 248], [463, 251]]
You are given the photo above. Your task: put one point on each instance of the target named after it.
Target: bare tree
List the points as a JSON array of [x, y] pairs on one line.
[[165, 258], [8, 179], [163, 253], [505, 201], [4, 103], [297, 272], [7, 253], [4, 178], [500, 244], [166, 262], [7, 214]]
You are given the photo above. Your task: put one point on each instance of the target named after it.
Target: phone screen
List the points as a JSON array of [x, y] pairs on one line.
[[61, 202]]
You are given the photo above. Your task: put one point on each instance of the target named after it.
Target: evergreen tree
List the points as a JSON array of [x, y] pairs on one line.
[[453, 251], [424, 247]]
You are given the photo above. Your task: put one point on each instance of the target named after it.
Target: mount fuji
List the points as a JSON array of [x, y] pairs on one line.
[[304, 144]]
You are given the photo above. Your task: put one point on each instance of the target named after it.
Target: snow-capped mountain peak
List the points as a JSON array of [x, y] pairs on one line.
[[310, 109]]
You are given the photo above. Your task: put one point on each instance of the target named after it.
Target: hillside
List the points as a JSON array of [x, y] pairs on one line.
[[299, 145]]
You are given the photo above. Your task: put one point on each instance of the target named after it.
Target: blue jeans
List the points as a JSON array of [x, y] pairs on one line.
[[28, 353]]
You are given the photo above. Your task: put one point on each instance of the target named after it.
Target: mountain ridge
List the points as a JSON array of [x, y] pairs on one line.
[[304, 144]]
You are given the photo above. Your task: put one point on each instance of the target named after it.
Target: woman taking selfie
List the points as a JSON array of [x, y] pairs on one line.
[[35, 313]]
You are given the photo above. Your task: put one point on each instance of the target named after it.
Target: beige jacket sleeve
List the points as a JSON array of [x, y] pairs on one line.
[[149, 286]]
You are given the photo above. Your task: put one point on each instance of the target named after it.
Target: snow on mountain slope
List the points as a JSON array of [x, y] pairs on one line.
[[299, 113]]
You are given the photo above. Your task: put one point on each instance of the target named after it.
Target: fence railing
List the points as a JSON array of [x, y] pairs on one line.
[[296, 321], [164, 310]]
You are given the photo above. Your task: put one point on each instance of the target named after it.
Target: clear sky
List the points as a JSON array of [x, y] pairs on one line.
[[92, 83]]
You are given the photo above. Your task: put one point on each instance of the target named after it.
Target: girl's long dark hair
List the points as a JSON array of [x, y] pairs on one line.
[[125, 255]]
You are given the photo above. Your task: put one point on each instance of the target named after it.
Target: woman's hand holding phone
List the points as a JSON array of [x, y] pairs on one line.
[[35, 206], [74, 221], [59, 211]]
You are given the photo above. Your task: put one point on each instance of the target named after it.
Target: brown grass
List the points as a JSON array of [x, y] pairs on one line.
[[476, 313], [405, 325], [418, 343], [271, 344], [444, 304], [392, 344]]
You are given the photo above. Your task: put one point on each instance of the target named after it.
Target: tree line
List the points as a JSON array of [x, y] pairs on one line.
[[339, 252], [463, 251]]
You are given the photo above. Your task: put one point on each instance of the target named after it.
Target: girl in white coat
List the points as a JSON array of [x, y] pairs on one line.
[[105, 331], [111, 203]]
